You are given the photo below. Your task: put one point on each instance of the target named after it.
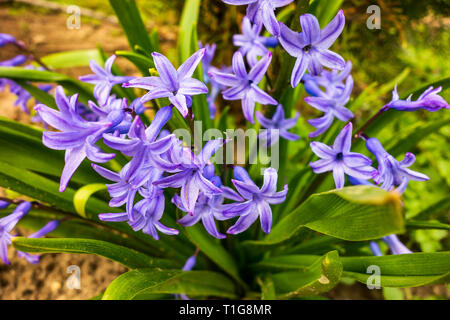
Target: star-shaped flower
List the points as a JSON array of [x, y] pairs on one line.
[[262, 11], [310, 47], [251, 44], [258, 200], [279, 123], [429, 100], [175, 84], [244, 86], [103, 79], [340, 160], [392, 173]]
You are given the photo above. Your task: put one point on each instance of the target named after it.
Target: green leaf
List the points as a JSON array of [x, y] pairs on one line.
[[142, 62], [125, 256], [352, 213], [132, 24], [267, 288], [416, 224], [192, 283], [325, 10], [393, 293], [212, 248], [189, 18], [323, 275], [73, 86], [82, 196], [438, 210], [71, 59], [403, 270], [40, 95]]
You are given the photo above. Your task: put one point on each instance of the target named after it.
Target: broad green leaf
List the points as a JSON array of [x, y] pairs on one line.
[[403, 270], [132, 24], [189, 18], [125, 256], [352, 213], [267, 288], [438, 210], [321, 276], [83, 194], [71, 59], [40, 95], [21, 146], [212, 248], [192, 283]]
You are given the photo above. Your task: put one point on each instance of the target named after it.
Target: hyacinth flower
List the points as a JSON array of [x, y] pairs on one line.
[[429, 100], [7, 38], [333, 105], [262, 12], [215, 87], [278, 122], [394, 244], [257, 200], [4, 204], [251, 44], [112, 106], [103, 79], [7, 224], [244, 86], [332, 81], [208, 208], [339, 159], [188, 266], [143, 144], [49, 227], [310, 47], [210, 50], [175, 84], [191, 178], [77, 136], [392, 173]]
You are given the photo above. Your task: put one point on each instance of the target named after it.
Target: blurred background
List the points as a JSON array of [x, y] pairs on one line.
[[411, 49]]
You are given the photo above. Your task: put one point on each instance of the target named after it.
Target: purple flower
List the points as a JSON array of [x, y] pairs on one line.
[[340, 160], [244, 86], [332, 104], [215, 87], [208, 208], [191, 176], [210, 50], [7, 224], [103, 79], [332, 81], [280, 124], [257, 202], [175, 84], [262, 11], [4, 204], [251, 44], [392, 173], [395, 245], [188, 266], [49, 227], [7, 38], [77, 136], [310, 47], [429, 100], [375, 249], [17, 60]]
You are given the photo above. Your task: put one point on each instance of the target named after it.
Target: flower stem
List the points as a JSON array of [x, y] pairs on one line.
[[360, 133]]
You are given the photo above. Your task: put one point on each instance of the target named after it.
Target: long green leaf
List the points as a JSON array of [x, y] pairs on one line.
[[192, 283], [352, 213], [82, 196], [323, 275], [71, 59], [125, 256]]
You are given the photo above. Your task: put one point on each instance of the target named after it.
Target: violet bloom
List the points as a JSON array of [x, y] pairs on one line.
[[208, 208], [175, 84], [277, 126], [262, 11], [4, 204], [103, 79], [77, 136], [258, 200], [429, 100], [251, 44], [333, 105], [191, 177], [244, 86], [7, 38], [49, 227], [188, 266], [310, 47], [340, 160], [395, 245], [375, 248], [7, 224], [333, 82], [210, 50], [392, 173], [215, 87]]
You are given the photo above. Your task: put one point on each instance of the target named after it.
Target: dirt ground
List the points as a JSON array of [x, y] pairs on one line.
[[46, 33]]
